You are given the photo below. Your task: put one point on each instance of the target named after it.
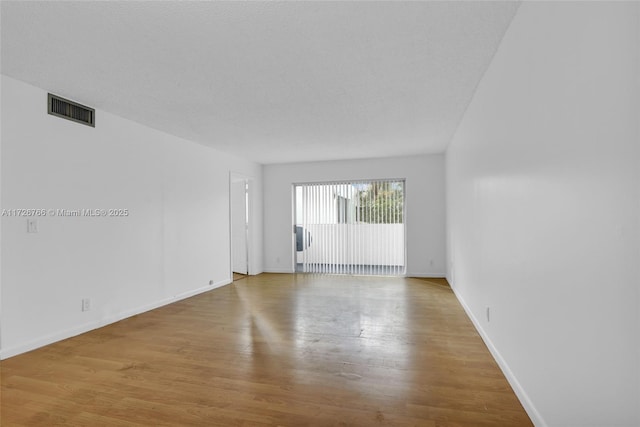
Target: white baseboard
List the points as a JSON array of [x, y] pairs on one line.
[[426, 275], [6, 353], [278, 270], [522, 395]]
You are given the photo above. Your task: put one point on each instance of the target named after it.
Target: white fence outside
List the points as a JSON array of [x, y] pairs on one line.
[[355, 245]]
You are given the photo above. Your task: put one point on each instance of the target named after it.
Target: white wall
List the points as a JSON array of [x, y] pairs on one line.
[[543, 206], [174, 241], [425, 214]]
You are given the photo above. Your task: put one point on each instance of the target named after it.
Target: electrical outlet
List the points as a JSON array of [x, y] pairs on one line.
[[211, 282], [488, 314], [86, 304]]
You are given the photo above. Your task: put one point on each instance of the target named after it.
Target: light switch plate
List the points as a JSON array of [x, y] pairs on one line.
[[32, 225]]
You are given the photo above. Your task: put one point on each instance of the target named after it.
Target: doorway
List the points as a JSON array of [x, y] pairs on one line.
[[240, 209]]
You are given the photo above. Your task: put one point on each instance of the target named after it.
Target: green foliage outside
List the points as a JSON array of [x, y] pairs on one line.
[[381, 203]]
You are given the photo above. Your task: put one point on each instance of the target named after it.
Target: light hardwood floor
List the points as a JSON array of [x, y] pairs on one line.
[[272, 350]]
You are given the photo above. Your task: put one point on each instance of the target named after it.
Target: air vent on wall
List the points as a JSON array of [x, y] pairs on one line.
[[70, 110]]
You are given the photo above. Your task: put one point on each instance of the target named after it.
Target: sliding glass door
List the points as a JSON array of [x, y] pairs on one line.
[[350, 227]]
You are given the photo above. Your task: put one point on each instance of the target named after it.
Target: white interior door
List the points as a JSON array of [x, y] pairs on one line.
[[240, 261]]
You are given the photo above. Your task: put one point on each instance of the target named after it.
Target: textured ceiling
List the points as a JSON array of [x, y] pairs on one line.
[[270, 81]]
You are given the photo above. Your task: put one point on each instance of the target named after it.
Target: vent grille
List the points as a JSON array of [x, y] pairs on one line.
[[70, 110]]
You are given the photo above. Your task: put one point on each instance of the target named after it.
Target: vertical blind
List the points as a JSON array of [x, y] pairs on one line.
[[354, 227]]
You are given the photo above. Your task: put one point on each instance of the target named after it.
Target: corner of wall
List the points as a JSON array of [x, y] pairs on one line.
[[171, 243]]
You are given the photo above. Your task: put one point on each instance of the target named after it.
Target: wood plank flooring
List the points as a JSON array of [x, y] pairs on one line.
[[272, 350], [239, 276]]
